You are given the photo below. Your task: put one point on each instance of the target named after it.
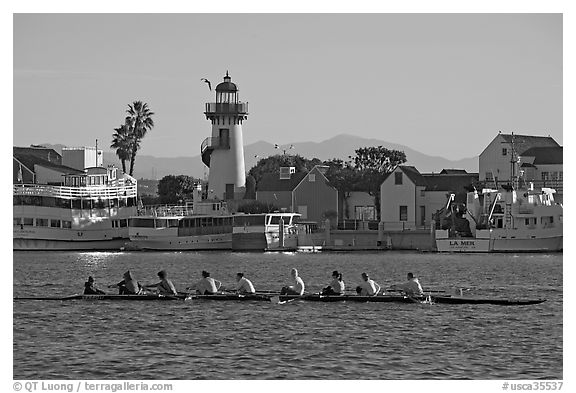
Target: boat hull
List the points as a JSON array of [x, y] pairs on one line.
[[20, 244], [181, 243]]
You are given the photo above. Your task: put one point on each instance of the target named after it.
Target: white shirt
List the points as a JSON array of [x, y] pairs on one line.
[[337, 286], [207, 284], [412, 287], [298, 285], [369, 288], [245, 286]]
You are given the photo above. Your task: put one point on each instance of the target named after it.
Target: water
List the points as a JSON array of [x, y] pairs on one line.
[[298, 340]]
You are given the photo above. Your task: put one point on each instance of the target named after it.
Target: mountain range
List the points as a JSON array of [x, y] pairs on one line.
[[341, 146]]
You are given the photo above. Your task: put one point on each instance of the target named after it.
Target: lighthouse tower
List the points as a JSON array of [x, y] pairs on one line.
[[223, 152]]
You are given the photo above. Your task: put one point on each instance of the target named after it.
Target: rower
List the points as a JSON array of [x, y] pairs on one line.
[[412, 287], [297, 288], [244, 285], [368, 288], [90, 289], [336, 287], [128, 286], [207, 285], [165, 286]]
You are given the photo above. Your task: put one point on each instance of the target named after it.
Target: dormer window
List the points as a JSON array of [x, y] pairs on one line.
[[504, 151], [397, 177]]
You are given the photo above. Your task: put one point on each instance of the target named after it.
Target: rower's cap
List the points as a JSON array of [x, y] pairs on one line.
[[90, 279], [162, 273], [335, 273]]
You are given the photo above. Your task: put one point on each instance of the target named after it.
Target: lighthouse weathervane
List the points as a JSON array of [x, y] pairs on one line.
[[223, 152]]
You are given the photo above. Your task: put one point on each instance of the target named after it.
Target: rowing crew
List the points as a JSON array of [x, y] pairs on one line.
[[206, 286], [209, 286]]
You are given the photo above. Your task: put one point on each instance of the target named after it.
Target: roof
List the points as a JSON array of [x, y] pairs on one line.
[[413, 174], [453, 171], [545, 155], [227, 85], [38, 151], [449, 182], [272, 182], [525, 142], [29, 161]]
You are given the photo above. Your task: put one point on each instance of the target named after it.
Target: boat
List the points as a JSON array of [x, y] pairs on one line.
[[207, 225], [204, 225], [501, 220], [88, 211], [277, 231], [268, 297]]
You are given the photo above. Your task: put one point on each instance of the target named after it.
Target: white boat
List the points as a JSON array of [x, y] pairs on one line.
[[89, 212], [179, 228], [266, 231], [505, 220]]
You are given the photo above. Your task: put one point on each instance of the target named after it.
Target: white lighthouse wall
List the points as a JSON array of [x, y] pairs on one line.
[[227, 165]]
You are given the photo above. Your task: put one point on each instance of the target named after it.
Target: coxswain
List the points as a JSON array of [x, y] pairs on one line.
[[368, 287], [297, 288], [90, 289], [412, 287], [244, 286], [336, 287], [165, 286], [207, 285]]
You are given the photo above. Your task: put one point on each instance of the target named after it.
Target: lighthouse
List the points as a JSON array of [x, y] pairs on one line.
[[223, 152]]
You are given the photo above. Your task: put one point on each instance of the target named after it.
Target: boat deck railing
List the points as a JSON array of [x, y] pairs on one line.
[[102, 192], [165, 210]]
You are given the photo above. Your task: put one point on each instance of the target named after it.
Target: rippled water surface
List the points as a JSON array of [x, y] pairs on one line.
[[298, 340]]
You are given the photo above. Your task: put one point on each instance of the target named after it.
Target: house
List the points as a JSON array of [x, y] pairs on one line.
[[499, 160], [408, 199], [440, 186], [31, 168], [356, 205], [543, 166], [403, 199], [306, 193]]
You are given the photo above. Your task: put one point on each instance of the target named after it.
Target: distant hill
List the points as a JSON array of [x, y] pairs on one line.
[[340, 146]]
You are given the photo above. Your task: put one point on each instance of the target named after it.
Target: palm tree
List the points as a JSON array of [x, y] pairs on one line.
[[139, 122], [122, 141]]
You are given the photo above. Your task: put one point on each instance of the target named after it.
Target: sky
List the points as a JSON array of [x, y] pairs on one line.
[[442, 84]]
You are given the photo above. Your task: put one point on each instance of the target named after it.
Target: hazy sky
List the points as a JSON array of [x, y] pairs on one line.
[[443, 84]]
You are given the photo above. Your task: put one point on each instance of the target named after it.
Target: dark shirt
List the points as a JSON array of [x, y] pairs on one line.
[[90, 289]]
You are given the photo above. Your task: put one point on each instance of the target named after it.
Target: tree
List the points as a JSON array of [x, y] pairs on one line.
[[122, 142], [174, 189], [139, 122], [272, 164], [343, 176], [375, 163]]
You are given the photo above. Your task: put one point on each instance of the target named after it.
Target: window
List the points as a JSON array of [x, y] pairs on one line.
[[41, 222], [489, 176], [545, 176], [66, 224], [504, 151], [28, 221], [560, 175], [397, 177], [403, 213], [123, 223], [54, 223], [17, 221], [312, 177]]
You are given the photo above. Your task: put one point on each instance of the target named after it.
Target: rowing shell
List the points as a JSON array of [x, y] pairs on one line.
[[312, 297], [415, 299]]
